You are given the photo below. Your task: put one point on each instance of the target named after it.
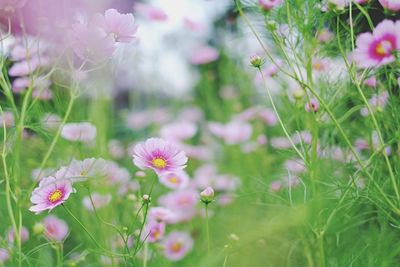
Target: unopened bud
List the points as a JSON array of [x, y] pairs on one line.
[[38, 228], [207, 196], [146, 199], [256, 61]]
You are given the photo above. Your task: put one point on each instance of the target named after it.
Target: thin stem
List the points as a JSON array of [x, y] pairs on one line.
[[208, 235]]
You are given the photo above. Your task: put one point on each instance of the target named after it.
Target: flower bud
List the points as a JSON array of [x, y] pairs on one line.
[[38, 228], [207, 196], [146, 199], [256, 61]]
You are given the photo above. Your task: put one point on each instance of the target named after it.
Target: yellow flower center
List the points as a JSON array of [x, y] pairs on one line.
[[159, 163], [383, 48], [174, 180], [55, 196], [176, 247]]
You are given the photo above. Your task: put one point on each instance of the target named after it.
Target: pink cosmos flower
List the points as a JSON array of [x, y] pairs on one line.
[[324, 35], [121, 27], [204, 55], [116, 149], [25, 67], [392, 5], [313, 105], [371, 81], [295, 166], [83, 131], [51, 192], [178, 131], [55, 228], [150, 12], [7, 119], [182, 203], [4, 255], [235, 132], [174, 180], [50, 121], [81, 170], [280, 143], [377, 103], [153, 231], [90, 42], [116, 174], [99, 201], [159, 155], [377, 48], [24, 234], [275, 186], [176, 245], [161, 214], [267, 5]]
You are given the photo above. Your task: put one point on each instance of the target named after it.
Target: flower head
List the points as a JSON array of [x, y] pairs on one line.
[[81, 170], [392, 5], [174, 180], [176, 245], [121, 27], [313, 105], [207, 195], [377, 48], [83, 131], [55, 228], [153, 231], [267, 5], [51, 192], [159, 155]]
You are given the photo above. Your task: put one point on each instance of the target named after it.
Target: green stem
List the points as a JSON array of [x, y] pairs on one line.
[[208, 235]]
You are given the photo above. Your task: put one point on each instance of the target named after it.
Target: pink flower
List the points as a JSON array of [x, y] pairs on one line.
[[313, 105], [50, 121], [392, 5], [81, 170], [204, 55], [7, 119], [83, 131], [99, 201], [280, 143], [150, 12], [377, 48], [295, 165], [153, 231], [371, 81], [269, 4], [4, 255], [177, 245], [116, 149], [24, 68], [121, 27], [24, 234], [161, 214], [178, 131], [324, 35], [90, 42], [275, 186], [182, 203], [51, 192], [159, 155], [174, 180], [116, 174], [235, 132], [55, 228]]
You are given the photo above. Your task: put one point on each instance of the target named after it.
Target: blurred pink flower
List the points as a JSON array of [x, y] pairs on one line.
[[50, 121], [121, 27], [116, 174], [275, 186], [99, 201], [4, 255], [26, 67], [235, 132], [7, 119], [153, 231], [150, 12], [90, 42], [174, 180], [377, 48], [392, 5], [280, 143], [377, 103], [116, 149], [161, 214], [269, 4], [81, 170], [324, 35], [159, 155], [312, 105], [178, 131], [295, 166], [176, 245], [51, 192], [193, 25], [55, 228], [24, 234], [204, 55], [82, 131], [371, 81]]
